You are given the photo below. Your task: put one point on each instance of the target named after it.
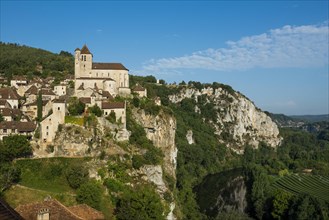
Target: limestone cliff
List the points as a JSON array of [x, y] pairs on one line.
[[160, 129], [238, 122]]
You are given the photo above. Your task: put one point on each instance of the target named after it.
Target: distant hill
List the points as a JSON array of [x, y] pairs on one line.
[[311, 118], [18, 59]]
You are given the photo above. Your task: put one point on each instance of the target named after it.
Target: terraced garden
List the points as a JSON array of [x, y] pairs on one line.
[[317, 186]]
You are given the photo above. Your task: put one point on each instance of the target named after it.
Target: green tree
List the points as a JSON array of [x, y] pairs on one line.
[[9, 175], [90, 193], [143, 203], [1, 117], [281, 204], [76, 107], [14, 146], [39, 106], [96, 110], [76, 175]]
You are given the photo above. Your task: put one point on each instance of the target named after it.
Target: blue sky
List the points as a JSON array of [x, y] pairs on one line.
[[275, 52]]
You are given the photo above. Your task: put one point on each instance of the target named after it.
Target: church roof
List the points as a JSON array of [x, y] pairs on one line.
[[85, 50], [108, 66]]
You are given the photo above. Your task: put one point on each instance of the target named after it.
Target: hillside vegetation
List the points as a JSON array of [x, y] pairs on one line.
[[18, 60]]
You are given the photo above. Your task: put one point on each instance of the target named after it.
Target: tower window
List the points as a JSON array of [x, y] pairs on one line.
[[85, 58]]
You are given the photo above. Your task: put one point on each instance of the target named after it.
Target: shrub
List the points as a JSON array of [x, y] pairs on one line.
[[90, 193], [76, 175]]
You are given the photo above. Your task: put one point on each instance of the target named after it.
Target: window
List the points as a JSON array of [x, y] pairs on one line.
[[47, 133], [85, 58], [58, 108], [4, 130], [47, 127], [105, 113]]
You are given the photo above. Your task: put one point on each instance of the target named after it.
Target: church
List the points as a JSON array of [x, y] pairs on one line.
[[93, 77]]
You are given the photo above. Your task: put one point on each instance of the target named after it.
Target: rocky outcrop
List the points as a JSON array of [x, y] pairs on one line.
[[160, 129], [238, 121], [189, 137]]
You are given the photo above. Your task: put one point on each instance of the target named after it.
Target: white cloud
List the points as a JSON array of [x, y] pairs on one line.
[[289, 46]]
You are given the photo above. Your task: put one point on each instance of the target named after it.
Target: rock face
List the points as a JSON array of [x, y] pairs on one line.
[[238, 121], [189, 137], [222, 192], [160, 129]]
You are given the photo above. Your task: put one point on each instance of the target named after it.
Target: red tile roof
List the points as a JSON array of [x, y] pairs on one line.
[[8, 93], [32, 90], [85, 100], [86, 212], [108, 66], [19, 125], [47, 92], [58, 211], [112, 105]]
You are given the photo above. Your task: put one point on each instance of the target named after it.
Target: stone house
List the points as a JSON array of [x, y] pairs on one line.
[[60, 90], [31, 94], [16, 127], [119, 108], [10, 95], [31, 109], [49, 125], [51, 209], [47, 94], [20, 83], [141, 91]]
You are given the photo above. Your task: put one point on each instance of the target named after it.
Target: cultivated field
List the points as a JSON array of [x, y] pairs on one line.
[[317, 186]]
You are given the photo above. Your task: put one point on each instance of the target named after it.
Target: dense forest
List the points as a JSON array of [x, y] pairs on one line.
[[18, 60]]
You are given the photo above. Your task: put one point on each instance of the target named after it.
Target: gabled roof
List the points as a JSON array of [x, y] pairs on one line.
[[57, 211], [139, 88], [107, 94], [85, 50], [108, 66], [7, 212], [86, 212], [85, 100], [33, 90], [112, 105], [47, 92], [19, 125], [8, 93]]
